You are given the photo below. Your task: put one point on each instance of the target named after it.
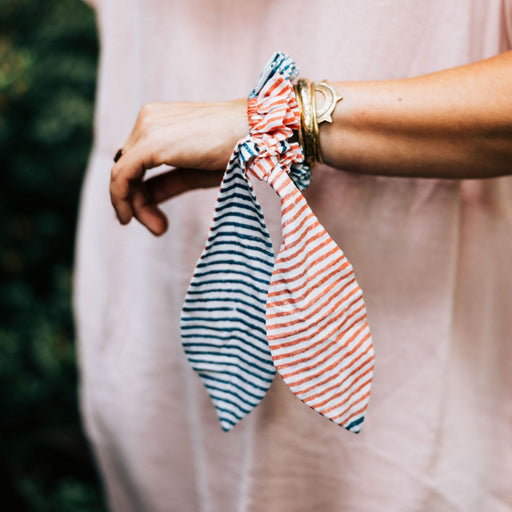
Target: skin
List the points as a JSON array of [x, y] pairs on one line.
[[453, 124]]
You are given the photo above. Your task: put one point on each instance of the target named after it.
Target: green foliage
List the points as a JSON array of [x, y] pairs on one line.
[[48, 55]]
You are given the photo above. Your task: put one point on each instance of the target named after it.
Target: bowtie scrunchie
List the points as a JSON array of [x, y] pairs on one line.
[[246, 315]]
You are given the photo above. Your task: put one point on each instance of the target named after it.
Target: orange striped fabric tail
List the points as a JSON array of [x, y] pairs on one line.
[[316, 318]]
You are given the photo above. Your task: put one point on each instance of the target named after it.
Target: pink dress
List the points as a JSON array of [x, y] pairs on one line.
[[432, 256]]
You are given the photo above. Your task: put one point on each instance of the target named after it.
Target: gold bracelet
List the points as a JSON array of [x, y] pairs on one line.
[[300, 133], [308, 134], [310, 117]]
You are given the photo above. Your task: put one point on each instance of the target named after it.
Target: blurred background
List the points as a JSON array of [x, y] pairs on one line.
[[48, 56]]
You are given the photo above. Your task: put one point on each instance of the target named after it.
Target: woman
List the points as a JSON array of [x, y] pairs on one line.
[[429, 247]]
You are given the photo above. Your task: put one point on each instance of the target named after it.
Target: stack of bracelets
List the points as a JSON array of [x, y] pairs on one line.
[[311, 117]]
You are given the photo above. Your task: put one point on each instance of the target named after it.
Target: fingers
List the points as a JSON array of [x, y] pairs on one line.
[[144, 196], [173, 183], [126, 171], [146, 211]]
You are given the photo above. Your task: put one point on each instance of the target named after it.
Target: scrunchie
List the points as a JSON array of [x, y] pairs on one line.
[[246, 315]]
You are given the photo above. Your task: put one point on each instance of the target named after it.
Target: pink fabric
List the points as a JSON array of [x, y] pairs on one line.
[[432, 256]]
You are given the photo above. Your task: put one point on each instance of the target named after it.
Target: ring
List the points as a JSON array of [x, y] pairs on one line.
[[119, 154]]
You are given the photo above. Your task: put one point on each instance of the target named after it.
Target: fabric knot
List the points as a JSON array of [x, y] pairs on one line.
[[273, 157]]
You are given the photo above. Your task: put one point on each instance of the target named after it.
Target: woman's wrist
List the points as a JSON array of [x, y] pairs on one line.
[[361, 124], [238, 120]]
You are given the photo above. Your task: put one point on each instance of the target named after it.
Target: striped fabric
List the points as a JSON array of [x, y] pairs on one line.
[[316, 318], [244, 315], [223, 318]]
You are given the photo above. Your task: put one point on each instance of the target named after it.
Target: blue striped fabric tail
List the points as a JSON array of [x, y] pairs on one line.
[[223, 318]]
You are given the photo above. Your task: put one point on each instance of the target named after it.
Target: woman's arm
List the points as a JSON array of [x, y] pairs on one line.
[[451, 124], [455, 123]]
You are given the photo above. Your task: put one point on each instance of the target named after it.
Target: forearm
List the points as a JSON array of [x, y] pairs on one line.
[[451, 124]]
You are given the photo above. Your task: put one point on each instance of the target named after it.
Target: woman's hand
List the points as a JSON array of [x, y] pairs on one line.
[[196, 139]]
